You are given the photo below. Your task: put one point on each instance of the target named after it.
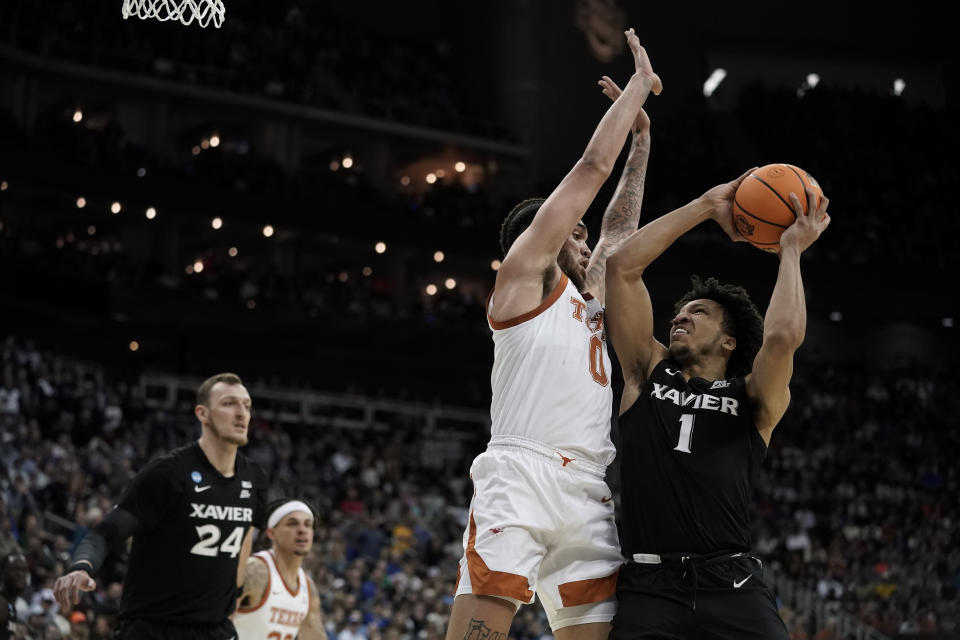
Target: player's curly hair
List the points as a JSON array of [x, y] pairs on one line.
[[517, 222], [741, 319]]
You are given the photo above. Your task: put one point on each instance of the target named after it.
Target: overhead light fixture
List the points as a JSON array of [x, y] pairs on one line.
[[710, 84]]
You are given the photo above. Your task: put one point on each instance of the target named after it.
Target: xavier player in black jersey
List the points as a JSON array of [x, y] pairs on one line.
[[190, 513], [695, 422]]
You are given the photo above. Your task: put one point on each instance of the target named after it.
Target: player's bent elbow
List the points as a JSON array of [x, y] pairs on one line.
[[622, 266], [784, 340], [597, 167]]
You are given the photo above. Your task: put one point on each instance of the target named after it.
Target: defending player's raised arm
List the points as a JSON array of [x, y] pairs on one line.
[[312, 626], [536, 248], [256, 580], [785, 322], [623, 213]]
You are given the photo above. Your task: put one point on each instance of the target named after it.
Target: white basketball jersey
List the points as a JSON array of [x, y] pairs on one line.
[[281, 610], [550, 377]]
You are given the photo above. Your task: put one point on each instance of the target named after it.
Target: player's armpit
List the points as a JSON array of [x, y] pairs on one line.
[[312, 626], [255, 584]]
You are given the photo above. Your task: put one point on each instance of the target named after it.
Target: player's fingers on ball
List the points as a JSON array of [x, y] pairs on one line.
[[744, 176], [797, 207]]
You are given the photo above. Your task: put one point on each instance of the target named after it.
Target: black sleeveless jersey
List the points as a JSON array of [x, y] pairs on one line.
[[191, 525], [690, 455]]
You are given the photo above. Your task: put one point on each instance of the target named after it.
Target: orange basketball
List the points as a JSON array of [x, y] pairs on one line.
[[761, 206]]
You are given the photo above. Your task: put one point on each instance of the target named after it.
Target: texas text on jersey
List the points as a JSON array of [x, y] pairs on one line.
[[192, 522], [699, 451]]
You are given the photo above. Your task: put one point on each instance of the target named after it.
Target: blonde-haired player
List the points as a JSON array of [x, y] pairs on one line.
[[541, 519], [279, 601]]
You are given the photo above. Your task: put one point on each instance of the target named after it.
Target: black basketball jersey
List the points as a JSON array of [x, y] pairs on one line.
[[192, 521], [690, 455]]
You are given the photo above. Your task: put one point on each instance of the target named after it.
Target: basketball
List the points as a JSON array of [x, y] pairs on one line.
[[761, 206]]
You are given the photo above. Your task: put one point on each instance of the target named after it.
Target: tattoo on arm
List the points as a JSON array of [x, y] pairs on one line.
[[622, 216], [623, 213], [478, 630], [255, 581]]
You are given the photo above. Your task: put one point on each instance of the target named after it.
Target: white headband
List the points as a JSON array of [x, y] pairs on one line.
[[286, 509]]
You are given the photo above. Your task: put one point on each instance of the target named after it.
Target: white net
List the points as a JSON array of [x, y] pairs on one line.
[[203, 12]]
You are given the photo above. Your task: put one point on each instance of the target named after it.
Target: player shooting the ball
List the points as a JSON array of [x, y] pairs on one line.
[[696, 418]]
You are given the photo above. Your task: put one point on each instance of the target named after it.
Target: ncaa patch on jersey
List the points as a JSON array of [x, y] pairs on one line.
[[196, 477]]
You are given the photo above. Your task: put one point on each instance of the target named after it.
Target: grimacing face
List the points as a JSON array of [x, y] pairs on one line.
[[293, 534], [228, 413], [574, 257], [697, 332]]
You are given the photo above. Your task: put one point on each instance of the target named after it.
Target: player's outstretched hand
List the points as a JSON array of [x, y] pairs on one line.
[[720, 199], [810, 223], [641, 62], [610, 89], [67, 588]]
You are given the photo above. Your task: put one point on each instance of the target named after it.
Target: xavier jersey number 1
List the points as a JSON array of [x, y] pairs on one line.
[[550, 376], [192, 521], [691, 454]]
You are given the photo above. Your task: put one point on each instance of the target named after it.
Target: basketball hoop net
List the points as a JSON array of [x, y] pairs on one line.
[[203, 12]]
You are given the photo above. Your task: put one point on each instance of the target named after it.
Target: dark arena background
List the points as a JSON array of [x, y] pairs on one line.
[[311, 196]]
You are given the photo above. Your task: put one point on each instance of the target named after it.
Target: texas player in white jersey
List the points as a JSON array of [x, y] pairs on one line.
[[541, 519], [279, 601]]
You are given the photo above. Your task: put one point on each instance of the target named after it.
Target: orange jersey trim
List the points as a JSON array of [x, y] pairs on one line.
[[285, 586], [492, 583], [573, 594], [512, 322], [266, 590]]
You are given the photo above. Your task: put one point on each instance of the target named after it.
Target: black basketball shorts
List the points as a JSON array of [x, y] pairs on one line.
[[157, 630], [725, 601]]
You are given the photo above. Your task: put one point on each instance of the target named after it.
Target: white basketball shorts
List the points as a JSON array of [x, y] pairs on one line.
[[541, 522]]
